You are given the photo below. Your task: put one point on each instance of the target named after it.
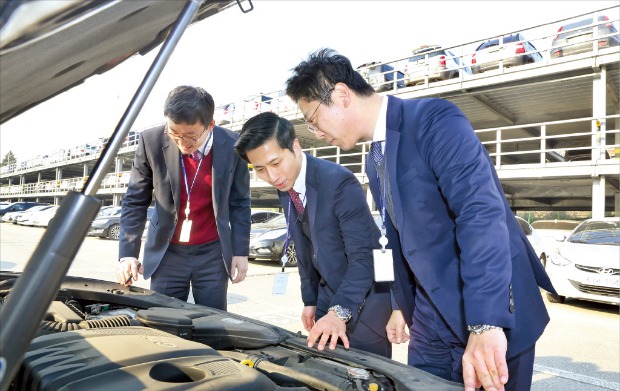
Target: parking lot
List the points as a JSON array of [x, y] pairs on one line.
[[579, 351]]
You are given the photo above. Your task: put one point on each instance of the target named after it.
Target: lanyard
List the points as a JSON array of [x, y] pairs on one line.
[[382, 202], [188, 190]]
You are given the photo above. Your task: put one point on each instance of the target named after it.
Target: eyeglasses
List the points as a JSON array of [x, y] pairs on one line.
[[189, 140], [311, 127]]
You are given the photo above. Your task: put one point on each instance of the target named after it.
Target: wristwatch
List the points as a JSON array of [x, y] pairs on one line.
[[481, 328], [341, 313]]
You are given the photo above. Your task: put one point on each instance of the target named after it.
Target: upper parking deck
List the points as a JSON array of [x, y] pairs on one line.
[[551, 125]]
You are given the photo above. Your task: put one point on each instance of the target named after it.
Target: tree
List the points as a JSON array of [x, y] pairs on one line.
[[9, 158]]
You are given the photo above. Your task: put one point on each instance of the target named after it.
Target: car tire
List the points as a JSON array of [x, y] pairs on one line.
[[292, 255], [114, 232], [543, 260], [555, 299]]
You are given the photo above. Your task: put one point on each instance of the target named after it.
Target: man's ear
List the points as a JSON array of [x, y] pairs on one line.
[[342, 93], [297, 148]]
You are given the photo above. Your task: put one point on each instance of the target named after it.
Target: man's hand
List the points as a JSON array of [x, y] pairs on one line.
[[128, 270], [307, 317], [328, 326], [484, 361], [238, 268], [396, 328]]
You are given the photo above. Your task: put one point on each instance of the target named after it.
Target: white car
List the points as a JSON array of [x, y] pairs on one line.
[[537, 241], [586, 266], [554, 232], [25, 218], [43, 218]]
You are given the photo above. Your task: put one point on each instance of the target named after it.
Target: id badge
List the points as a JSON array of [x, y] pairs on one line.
[[279, 284], [384, 265], [186, 228]]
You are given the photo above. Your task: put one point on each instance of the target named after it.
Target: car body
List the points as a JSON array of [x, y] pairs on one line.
[[18, 207], [586, 266], [513, 50], [554, 231], [432, 62], [25, 218], [581, 35], [43, 218], [261, 216], [108, 225], [102, 335], [537, 241], [267, 241], [381, 76]]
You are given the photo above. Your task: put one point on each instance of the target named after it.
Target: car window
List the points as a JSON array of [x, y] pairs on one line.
[[597, 232], [525, 226], [565, 225]]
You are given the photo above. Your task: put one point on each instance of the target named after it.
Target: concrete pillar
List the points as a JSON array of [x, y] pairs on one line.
[[616, 203], [599, 99], [116, 199], [58, 173], [85, 170], [56, 200]]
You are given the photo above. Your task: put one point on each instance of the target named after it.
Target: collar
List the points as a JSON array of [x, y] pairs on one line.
[[206, 145], [381, 125], [300, 183]]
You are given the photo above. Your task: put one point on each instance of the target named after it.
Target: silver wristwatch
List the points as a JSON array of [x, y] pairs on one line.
[[342, 313], [481, 328]]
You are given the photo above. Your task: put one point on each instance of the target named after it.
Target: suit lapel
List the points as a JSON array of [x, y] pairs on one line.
[[219, 167], [173, 165], [312, 185]]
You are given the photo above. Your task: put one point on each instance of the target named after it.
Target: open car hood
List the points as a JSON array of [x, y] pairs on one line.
[[47, 47], [61, 332]]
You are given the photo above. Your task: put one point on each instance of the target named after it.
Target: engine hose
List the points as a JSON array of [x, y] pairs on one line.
[[112, 321], [280, 374]]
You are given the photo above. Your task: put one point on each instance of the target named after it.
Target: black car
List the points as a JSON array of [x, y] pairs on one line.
[[267, 242], [60, 332], [18, 207], [108, 226]]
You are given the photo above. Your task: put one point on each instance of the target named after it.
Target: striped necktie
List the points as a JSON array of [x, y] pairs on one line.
[[376, 153]]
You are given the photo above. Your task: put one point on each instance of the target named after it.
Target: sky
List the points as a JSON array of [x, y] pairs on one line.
[[233, 55]]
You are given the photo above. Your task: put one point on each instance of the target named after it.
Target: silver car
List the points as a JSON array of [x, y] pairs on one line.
[[513, 50], [586, 266], [579, 36], [434, 63]]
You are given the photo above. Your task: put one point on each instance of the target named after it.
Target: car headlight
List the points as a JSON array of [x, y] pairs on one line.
[[273, 234], [558, 259]]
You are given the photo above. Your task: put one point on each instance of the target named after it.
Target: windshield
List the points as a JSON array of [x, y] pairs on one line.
[[597, 232]]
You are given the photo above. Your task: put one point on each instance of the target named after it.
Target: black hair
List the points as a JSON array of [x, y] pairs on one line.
[[187, 104], [315, 78], [260, 129]]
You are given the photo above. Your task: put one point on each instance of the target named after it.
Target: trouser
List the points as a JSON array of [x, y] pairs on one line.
[[434, 348], [200, 266]]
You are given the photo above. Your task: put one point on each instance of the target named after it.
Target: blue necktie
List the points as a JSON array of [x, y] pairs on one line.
[[376, 153]]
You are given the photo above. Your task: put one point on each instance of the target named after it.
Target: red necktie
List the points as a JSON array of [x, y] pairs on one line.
[[296, 201]]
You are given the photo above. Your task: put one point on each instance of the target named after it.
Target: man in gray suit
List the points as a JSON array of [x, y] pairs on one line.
[[199, 233], [334, 234]]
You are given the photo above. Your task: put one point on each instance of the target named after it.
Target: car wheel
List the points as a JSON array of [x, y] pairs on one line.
[[543, 260], [555, 299], [114, 232], [292, 255]]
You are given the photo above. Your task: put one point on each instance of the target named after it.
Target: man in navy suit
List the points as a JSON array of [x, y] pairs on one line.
[[334, 234], [466, 278], [199, 233]]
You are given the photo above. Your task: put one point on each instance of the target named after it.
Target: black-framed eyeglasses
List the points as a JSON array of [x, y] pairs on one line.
[[311, 127], [176, 138]]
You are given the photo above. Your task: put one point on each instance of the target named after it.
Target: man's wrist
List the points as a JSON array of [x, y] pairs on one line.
[[344, 314], [481, 328]]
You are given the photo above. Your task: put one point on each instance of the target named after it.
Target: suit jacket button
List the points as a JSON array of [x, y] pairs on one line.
[[512, 309]]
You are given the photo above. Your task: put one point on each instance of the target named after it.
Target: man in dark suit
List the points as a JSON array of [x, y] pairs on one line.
[[199, 233], [334, 234], [466, 278]]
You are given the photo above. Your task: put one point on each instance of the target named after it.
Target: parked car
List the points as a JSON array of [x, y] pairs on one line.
[[579, 36], [261, 216], [586, 266], [19, 207], [554, 230], [63, 332], [381, 76], [283, 104], [25, 218], [434, 62], [223, 114], [534, 238], [267, 241], [43, 219], [108, 225], [513, 50]]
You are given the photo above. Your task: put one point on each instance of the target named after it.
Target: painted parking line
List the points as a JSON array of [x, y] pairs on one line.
[[577, 377]]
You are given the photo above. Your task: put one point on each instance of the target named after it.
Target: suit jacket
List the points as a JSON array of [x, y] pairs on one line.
[[156, 172], [339, 260], [458, 234]]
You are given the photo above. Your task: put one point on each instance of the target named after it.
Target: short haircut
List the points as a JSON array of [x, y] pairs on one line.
[[262, 128], [187, 104], [315, 78]]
